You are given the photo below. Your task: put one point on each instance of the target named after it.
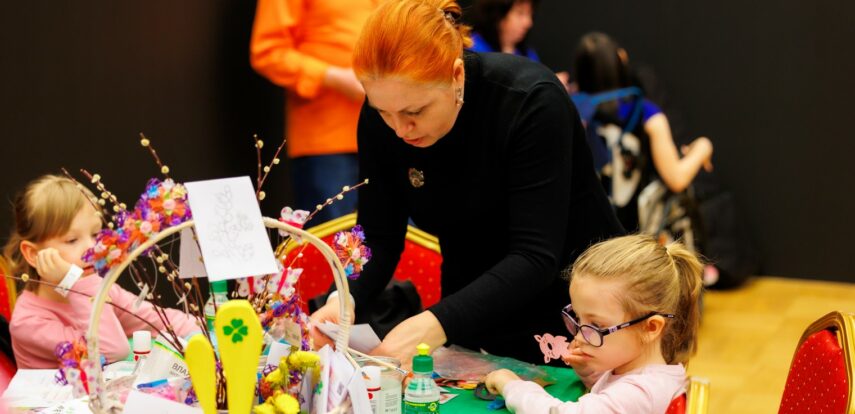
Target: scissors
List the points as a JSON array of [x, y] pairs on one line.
[[496, 401]]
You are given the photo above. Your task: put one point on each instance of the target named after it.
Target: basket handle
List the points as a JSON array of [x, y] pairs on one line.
[[97, 397]]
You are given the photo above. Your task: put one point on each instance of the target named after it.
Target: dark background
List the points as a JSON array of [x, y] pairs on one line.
[[769, 82]]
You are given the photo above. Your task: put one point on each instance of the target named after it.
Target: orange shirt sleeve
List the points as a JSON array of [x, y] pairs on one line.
[[273, 48]]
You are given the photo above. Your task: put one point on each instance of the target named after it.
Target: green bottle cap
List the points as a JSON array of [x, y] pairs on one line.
[[423, 362], [220, 286]]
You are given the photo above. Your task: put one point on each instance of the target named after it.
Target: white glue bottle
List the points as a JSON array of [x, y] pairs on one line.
[[372, 383], [142, 348]]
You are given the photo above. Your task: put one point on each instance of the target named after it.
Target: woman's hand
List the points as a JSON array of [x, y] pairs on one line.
[[401, 342], [344, 81], [327, 313], [496, 380], [51, 266]]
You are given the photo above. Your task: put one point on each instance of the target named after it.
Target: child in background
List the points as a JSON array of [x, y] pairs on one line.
[[634, 316], [601, 65], [54, 225]]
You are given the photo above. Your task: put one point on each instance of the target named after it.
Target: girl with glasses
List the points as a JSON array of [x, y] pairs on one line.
[[634, 317]]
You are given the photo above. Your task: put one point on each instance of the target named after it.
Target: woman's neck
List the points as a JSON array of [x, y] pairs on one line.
[[651, 356], [48, 292]]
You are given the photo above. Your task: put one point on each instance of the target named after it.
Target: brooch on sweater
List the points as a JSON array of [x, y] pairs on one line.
[[417, 178]]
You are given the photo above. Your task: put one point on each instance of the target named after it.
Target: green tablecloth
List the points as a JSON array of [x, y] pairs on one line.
[[568, 387]]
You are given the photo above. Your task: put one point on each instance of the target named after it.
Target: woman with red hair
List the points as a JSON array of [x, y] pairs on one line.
[[487, 153]]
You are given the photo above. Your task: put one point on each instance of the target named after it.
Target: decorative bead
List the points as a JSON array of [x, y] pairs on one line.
[[161, 269], [259, 144], [102, 202], [96, 178], [339, 197], [261, 195], [266, 169], [318, 207], [345, 188], [25, 277], [187, 285], [164, 169], [144, 142], [276, 161]]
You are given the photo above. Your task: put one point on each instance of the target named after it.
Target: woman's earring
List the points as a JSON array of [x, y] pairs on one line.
[[459, 96]]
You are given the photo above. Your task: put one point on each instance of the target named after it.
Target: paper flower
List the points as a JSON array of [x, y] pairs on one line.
[[296, 218], [351, 251], [162, 205], [73, 368]]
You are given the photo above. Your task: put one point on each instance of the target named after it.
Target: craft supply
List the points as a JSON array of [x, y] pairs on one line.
[[372, 385], [239, 338], [219, 296], [380, 361], [199, 356], [142, 344], [390, 382], [422, 393]]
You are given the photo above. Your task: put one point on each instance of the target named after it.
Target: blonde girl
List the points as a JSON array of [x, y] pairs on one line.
[[634, 315], [54, 224]]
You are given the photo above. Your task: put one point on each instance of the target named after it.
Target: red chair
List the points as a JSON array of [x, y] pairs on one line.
[[420, 261], [821, 373], [8, 292], [694, 401]]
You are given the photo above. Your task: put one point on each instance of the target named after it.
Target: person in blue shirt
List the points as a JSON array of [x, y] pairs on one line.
[[502, 26], [601, 65]]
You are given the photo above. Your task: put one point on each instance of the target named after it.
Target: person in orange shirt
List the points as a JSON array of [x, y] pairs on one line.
[[305, 46]]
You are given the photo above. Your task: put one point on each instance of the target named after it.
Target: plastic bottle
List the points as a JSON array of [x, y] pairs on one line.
[[375, 397], [142, 348], [422, 394], [220, 294]]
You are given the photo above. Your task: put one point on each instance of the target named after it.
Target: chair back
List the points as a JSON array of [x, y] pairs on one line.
[[821, 372], [694, 401], [420, 261], [8, 292]]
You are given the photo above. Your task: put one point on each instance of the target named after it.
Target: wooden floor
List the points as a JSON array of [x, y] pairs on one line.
[[748, 337]]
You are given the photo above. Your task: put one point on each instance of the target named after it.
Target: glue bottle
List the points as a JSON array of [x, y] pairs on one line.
[[422, 394], [142, 348], [372, 384]]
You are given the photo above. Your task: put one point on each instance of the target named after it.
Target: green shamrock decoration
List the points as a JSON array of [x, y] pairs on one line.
[[238, 328]]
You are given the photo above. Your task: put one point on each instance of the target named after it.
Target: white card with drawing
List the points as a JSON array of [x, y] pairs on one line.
[[190, 262], [231, 233]]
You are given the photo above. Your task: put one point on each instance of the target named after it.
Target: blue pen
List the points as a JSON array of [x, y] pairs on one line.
[[152, 384]]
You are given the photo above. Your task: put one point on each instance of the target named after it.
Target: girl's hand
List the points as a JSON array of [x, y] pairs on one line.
[[581, 363], [51, 266], [401, 342], [496, 380]]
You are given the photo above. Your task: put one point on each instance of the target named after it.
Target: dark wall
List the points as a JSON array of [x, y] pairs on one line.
[[769, 83], [81, 79]]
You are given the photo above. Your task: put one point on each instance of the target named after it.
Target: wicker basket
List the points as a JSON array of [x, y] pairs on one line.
[[100, 402]]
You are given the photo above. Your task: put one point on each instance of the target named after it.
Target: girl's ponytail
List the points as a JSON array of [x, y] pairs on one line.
[[688, 271]]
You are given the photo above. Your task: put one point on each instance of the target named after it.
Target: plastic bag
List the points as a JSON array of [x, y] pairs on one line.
[[459, 363]]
